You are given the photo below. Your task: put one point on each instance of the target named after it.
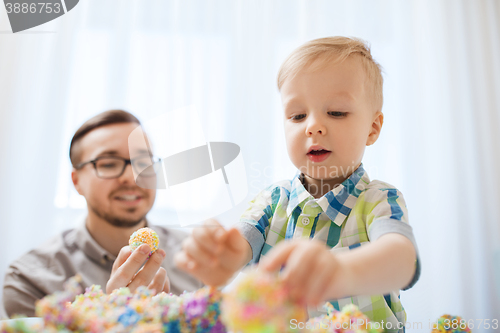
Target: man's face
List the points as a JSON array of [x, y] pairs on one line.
[[328, 119], [119, 201]]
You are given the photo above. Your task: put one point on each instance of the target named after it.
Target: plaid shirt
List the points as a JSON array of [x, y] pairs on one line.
[[351, 215]]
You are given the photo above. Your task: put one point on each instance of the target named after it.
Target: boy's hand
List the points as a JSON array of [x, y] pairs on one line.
[[127, 271], [213, 254], [312, 273]]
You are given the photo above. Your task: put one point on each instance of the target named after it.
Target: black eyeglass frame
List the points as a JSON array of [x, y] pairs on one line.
[[127, 162]]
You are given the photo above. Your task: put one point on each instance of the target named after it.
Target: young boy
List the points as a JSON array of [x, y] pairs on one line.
[[338, 236]]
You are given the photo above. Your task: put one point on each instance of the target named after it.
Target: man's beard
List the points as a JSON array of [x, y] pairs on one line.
[[117, 221]]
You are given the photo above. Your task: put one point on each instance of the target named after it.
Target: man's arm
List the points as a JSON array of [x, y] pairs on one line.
[[19, 294]]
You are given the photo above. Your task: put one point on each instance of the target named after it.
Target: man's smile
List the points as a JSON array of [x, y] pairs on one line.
[[129, 198]]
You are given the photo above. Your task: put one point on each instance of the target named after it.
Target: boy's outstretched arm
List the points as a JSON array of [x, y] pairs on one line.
[[213, 254], [314, 274]]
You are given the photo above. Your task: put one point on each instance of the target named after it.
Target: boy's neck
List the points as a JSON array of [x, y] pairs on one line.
[[319, 187]]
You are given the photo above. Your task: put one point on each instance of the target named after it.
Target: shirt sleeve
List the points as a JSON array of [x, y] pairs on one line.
[[390, 215], [34, 275], [20, 293], [255, 221]]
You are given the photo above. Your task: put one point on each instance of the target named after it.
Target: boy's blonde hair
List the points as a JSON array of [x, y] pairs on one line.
[[331, 50]]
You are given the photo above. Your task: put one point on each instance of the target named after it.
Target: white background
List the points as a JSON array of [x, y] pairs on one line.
[[439, 144]]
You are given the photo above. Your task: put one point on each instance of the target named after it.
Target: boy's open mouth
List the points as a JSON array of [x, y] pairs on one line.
[[318, 155], [318, 152]]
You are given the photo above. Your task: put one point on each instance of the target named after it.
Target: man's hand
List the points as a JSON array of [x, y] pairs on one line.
[[213, 254], [127, 271], [311, 272]]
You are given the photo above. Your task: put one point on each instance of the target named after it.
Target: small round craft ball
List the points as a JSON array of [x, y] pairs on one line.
[[449, 323], [144, 236], [259, 303]]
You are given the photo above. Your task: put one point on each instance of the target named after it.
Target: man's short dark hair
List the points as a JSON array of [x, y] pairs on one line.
[[102, 119]]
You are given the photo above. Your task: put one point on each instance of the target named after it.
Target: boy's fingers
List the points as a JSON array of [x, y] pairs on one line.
[[217, 232], [179, 261], [234, 239], [184, 262], [193, 249], [277, 257], [212, 223], [298, 268], [205, 237], [303, 285], [317, 288], [123, 255]]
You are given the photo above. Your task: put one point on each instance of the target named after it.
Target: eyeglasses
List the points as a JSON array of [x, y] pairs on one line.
[[113, 166]]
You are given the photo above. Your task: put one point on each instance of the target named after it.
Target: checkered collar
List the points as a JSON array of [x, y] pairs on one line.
[[337, 203]]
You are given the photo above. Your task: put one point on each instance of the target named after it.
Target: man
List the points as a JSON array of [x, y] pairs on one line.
[[97, 249]]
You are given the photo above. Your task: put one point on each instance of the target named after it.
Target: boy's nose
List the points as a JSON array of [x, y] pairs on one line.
[[315, 127], [313, 131]]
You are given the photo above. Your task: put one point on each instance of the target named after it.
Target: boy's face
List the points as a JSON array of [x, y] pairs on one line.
[[329, 119]]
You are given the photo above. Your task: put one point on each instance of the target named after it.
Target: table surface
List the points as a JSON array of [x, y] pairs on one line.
[[31, 322]]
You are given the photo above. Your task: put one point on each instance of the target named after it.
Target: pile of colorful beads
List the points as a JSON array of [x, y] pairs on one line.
[[260, 303], [123, 311], [447, 323], [350, 319], [144, 236], [19, 326]]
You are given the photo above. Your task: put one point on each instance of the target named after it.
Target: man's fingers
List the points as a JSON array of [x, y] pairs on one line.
[[277, 256], [125, 252], [166, 285], [123, 274], [158, 282], [148, 272]]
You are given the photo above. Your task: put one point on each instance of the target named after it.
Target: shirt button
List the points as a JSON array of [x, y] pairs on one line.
[[305, 221]]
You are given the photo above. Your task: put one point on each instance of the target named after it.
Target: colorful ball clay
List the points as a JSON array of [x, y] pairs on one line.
[[258, 302], [349, 320], [125, 312], [448, 323], [144, 236]]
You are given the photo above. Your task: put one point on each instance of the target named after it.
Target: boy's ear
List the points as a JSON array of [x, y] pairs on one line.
[[378, 121], [74, 178]]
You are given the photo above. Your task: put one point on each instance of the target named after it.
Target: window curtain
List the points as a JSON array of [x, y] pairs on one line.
[[439, 143]]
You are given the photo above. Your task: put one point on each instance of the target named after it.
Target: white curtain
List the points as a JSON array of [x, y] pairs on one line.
[[439, 144]]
